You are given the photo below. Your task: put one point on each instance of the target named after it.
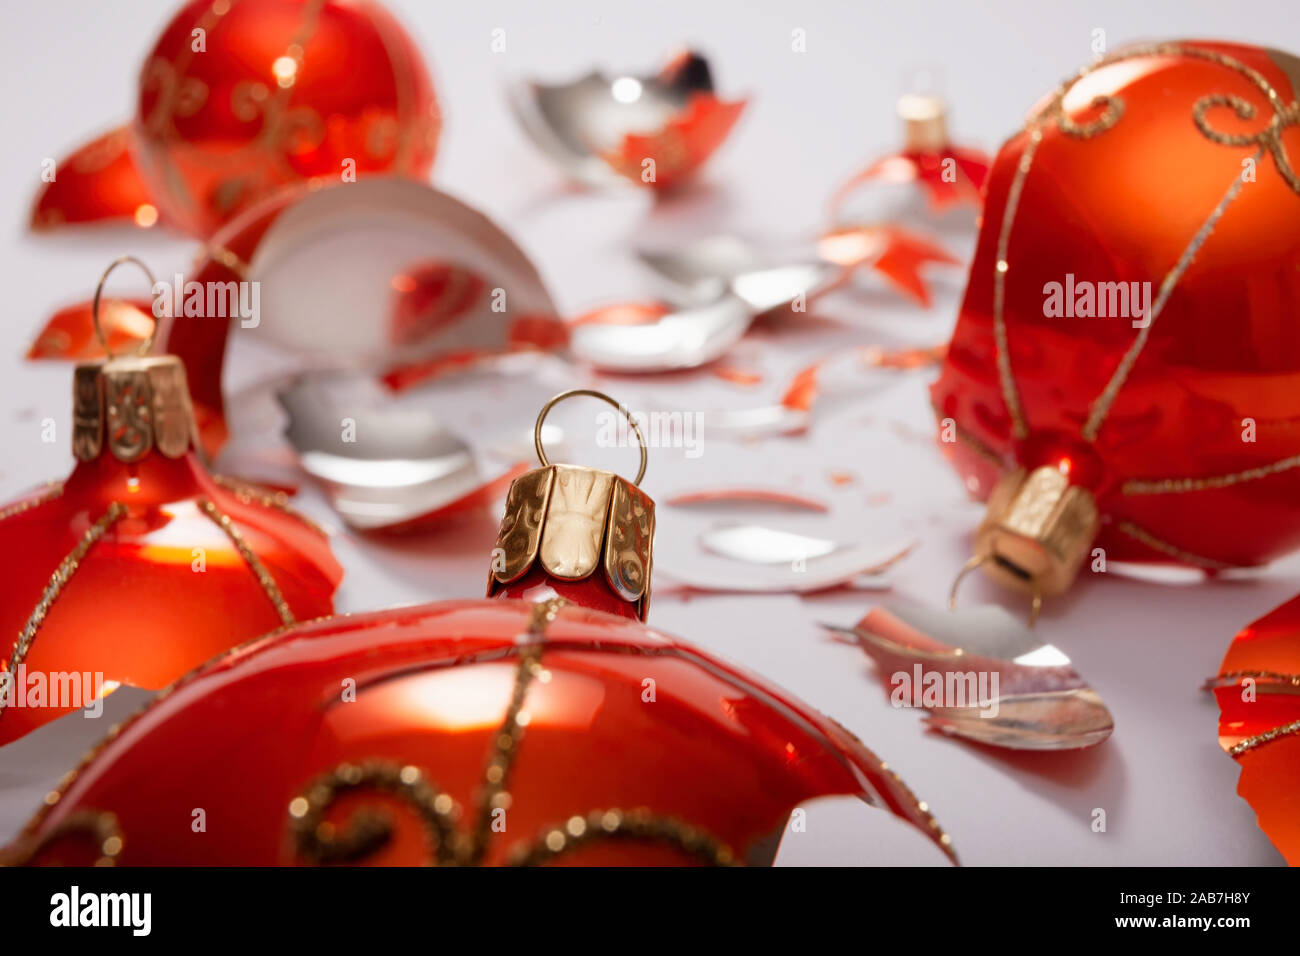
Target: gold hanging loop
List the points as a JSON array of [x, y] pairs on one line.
[[147, 344], [592, 393]]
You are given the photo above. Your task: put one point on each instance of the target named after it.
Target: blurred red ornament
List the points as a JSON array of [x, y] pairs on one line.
[[655, 130], [666, 157], [98, 181], [1127, 361], [896, 254], [113, 575], [239, 98], [70, 332], [429, 297], [1258, 690], [948, 174], [474, 732]]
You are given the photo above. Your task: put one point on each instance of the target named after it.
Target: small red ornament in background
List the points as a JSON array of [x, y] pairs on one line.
[[655, 130], [237, 99], [681, 147], [70, 333], [98, 182], [141, 565], [1127, 356], [948, 174], [474, 732], [1258, 690], [688, 138]]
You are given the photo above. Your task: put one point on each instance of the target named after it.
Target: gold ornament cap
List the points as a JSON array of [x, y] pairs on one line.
[[1035, 534], [130, 405], [925, 122], [578, 521]]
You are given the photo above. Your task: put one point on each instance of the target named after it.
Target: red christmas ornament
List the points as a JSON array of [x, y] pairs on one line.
[[948, 174], [141, 564], [98, 181], [473, 732], [70, 332], [1126, 366], [1258, 690], [239, 98], [656, 131], [681, 147]]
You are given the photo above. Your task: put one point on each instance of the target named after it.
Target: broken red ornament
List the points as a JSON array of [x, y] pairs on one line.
[[1142, 425], [98, 182], [895, 254], [70, 332], [383, 275], [545, 724], [1258, 691], [112, 576], [982, 675], [237, 99], [655, 131], [392, 470], [947, 174]]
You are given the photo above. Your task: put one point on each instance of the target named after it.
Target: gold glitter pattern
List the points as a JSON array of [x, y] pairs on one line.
[[248, 493], [254, 563], [1268, 736], [1272, 681], [605, 825], [1164, 547], [95, 825], [1101, 407], [922, 808], [1161, 486], [58, 580], [319, 841], [27, 504], [1271, 677]]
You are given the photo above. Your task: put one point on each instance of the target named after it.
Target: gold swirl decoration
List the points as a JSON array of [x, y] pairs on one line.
[[1267, 682], [320, 841], [1111, 107], [93, 825], [1268, 139], [1112, 110]]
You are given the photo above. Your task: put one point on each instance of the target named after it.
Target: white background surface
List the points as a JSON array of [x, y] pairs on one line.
[[70, 70]]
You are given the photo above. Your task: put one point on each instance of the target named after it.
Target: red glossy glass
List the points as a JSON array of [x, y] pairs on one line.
[[98, 182], [949, 175], [1215, 391], [70, 332], [618, 716], [681, 147], [271, 92], [162, 591], [1259, 710]]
